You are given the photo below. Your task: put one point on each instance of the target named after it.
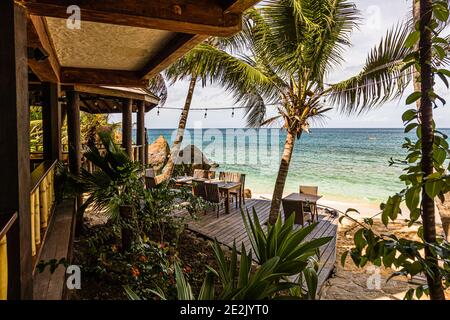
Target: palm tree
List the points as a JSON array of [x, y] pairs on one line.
[[189, 67], [291, 46]]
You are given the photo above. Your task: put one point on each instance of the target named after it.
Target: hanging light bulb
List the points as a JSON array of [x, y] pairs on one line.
[[157, 112], [206, 113], [232, 113]]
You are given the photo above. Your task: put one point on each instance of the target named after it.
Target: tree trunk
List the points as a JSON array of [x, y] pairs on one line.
[[175, 150], [416, 73], [426, 119], [281, 177]]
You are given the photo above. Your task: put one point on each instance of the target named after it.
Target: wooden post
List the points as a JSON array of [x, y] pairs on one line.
[[51, 121], [140, 137], [73, 131], [127, 141], [146, 147], [15, 146]]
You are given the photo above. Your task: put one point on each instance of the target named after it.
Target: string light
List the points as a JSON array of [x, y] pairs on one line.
[[232, 113], [206, 113], [157, 113]]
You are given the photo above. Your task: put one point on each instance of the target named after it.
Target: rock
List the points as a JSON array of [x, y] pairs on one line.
[[444, 212], [158, 153], [247, 193], [194, 156]]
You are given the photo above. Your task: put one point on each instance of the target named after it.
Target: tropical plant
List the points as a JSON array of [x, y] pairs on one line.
[[116, 183], [272, 275], [290, 47], [425, 169]]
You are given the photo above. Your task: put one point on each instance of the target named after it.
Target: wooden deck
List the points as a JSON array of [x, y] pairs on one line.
[[230, 227]]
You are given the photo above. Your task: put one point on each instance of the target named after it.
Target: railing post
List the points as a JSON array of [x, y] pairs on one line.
[[3, 269], [44, 204], [37, 217], [33, 228]]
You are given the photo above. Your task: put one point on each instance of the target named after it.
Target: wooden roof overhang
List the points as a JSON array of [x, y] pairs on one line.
[[98, 100], [126, 42]]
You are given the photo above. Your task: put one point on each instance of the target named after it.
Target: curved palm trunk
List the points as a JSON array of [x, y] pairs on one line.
[[281, 177], [426, 119], [175, 150]]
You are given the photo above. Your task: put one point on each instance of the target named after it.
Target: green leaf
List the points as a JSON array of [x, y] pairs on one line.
[[440, 52], [413, 97], [408, 115], [412, 39], [433, 187], [410, 126], [343, 258], [441, 13]]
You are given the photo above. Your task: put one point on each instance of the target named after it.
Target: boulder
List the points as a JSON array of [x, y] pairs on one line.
[[158, 153], [247, 193], [195, 158]]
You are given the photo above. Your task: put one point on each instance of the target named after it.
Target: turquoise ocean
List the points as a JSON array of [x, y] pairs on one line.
[[346, 164]]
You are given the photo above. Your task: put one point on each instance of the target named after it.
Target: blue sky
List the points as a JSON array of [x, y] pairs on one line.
[[378, 17]]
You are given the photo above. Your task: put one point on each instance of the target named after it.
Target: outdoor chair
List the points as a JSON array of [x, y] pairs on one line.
[[213, 196], [295, 207], [310, 207], [204, 174], [198, 188], [234, 177]]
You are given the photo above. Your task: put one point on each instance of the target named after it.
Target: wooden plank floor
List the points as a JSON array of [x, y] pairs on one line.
[[230, 227]]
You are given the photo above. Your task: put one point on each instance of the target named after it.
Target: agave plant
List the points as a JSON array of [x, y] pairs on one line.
[[281, 254]]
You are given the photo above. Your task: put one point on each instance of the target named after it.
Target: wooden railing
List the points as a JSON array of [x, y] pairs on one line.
[[42, 203], [6, 222]]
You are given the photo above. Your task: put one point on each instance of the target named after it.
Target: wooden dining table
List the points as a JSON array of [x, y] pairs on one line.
[[224, 187]]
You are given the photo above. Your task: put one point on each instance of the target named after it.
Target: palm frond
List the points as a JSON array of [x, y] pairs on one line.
[[157, 85], [381, 79]]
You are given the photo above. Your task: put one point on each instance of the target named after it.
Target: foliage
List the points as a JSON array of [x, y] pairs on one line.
[[270, 278], [118, 181], [410, 256]]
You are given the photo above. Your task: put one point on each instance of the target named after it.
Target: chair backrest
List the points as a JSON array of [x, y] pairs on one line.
[[150, 172], [231, 176], [198, 188], [150, 182], [204, 174], [312, 190], [212, 192]]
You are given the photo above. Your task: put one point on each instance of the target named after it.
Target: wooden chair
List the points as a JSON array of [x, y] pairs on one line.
[[295, 207], [198, 188], [234, 177], [213, 196], [311, 207], [204, 174]]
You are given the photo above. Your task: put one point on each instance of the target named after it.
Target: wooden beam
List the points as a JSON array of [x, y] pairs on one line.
[[205, 17], [101, 77], [51, 121], [116, 92], [140, 134], [15, 146], [73, 131], [181, 44], [49, 69], [127, 126], [237, 6]]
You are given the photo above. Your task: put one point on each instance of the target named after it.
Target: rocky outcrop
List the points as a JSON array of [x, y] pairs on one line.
[[444, 212], [192, 155], [158, 153]]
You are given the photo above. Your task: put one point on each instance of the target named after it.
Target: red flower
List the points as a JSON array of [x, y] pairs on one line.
[[143, 258], [187, 269], [135, 271], [162, 245]]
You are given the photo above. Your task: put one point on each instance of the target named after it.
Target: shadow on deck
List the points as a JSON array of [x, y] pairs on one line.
[[229, 228]]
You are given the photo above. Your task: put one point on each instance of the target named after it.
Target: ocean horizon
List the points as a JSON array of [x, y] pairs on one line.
[[347, 164]]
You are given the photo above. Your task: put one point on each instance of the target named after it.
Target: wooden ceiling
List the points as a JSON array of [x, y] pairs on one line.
[[186, 23]]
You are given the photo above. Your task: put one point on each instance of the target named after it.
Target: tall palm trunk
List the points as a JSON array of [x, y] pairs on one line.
[[416, 73], [281, 177], [426, 119], [175, 150]]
